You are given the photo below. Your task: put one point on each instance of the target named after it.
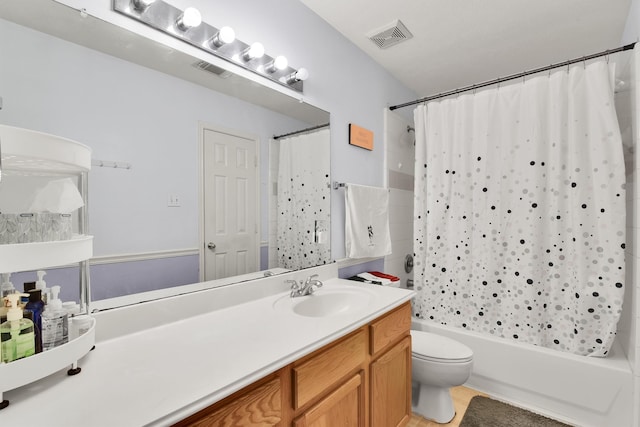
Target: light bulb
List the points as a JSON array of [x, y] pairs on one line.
[[279, 63], [226, 35], [298, 76], [190, 18], [255, 51], [302, 74], [141, 5]]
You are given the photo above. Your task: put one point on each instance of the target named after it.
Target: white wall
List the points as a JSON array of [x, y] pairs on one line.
[[631, 33]]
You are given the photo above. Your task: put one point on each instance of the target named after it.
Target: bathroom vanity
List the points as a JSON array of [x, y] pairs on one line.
[[362, 379], [245, 352]]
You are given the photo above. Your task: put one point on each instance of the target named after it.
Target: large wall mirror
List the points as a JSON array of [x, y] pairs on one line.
[[170, 117]]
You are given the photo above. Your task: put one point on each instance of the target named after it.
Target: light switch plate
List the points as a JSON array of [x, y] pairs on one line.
[[173, 201]]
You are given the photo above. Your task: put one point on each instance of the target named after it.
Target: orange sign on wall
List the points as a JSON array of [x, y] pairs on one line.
[[360, 137]]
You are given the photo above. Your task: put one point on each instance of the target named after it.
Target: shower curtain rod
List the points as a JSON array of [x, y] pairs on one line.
[[301, 131], [513, 76]]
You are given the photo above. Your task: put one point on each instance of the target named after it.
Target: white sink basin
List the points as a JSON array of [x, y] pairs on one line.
[[326, 302]]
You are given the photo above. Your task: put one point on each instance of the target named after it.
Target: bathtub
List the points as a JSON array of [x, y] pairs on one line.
[[578, 390]]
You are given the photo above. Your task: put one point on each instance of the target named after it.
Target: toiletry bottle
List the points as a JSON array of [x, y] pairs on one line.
[[6, 287], [27, 286], [36, 306], [73, 310], [80, 325], [17, 338], [55, 323], [3, 310], [42, 285]]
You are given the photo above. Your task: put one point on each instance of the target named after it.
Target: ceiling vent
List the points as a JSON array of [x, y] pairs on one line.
[[390, 35], [205, 66]]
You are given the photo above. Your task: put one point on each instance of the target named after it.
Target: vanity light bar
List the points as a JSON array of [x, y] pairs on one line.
[[173, 21]]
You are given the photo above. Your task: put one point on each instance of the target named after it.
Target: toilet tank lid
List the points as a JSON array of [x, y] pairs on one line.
[[438, 346]]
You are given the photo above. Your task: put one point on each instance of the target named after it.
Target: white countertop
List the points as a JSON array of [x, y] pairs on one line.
[[162, 374]]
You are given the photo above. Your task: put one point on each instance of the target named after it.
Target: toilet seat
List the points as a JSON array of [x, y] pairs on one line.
[[437, 348]]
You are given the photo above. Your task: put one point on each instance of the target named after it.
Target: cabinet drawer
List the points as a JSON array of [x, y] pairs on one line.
[[390, 328], [327, 368]]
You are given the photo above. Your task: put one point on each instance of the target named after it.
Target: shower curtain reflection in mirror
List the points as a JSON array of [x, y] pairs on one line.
[[519, 214], [303, 205]]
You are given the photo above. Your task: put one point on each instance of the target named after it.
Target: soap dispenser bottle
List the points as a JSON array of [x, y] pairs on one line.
[[36, 307], [17, 338], [42, 285], [7, 287], [55, 323], [27, 286], [3, 311]]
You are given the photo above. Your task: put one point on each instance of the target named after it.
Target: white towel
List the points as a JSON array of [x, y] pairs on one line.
[[367, 221]]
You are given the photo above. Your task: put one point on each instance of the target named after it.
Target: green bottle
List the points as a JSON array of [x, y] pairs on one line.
[[17, 334]]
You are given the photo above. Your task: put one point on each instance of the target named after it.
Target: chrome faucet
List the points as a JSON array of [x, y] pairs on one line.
[[304, 288]]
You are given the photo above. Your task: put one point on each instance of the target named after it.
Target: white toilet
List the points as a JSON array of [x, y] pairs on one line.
[[438, 363]]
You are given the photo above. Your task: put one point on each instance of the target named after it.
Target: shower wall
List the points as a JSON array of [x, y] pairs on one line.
[[627, 106], [399, 159]]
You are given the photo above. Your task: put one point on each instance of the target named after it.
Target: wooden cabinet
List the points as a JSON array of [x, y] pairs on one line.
[[390, 370], [390, 328], [343, 407], [259, 404], [391, 386], [362, 379], [328, 367]]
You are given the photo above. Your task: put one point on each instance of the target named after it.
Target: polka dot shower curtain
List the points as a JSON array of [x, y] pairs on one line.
[[303, 210], [520, 211]]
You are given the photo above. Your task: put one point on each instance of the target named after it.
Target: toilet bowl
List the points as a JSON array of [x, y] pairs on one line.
[[438, 363]]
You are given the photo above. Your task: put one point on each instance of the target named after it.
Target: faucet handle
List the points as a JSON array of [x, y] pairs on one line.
[[295, 288]]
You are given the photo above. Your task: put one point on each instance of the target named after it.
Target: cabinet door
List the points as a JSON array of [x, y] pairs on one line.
[[258, 406], [344, 407], [391, 386]]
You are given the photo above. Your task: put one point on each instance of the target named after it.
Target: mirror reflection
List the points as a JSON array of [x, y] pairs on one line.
[[181, 213]]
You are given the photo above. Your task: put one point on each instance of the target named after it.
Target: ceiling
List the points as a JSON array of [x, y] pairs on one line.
[[458, 43]]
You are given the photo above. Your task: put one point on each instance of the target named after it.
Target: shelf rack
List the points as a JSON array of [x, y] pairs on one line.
[[25, 153]]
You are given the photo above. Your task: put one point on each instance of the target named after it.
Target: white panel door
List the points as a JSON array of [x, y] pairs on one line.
[[230, 205]]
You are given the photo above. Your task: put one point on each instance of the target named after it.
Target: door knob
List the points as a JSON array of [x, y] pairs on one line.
[[211, 245]]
